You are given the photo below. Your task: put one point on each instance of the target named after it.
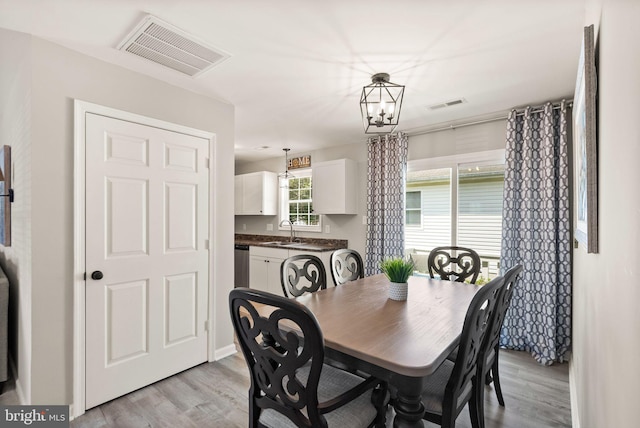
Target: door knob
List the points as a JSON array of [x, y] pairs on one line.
[[97, 275]]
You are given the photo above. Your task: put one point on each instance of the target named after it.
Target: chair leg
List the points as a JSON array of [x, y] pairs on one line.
[[480, 404], [496, 380], [380, 399], [477, 421], [487, 378]]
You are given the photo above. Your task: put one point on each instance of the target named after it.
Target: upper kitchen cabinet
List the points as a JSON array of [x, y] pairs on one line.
[[256, 193], [334, 186]]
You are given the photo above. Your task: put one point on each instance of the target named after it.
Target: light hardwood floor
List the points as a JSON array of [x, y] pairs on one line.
[[214, 395]]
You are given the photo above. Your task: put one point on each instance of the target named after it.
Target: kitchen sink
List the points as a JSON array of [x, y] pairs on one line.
[[289, 244], [304, 246]]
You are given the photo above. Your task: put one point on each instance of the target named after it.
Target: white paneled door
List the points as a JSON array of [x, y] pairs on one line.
[[147, 258]]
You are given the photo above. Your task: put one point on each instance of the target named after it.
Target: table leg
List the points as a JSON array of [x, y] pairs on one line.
[[409, 411], [408, 402]]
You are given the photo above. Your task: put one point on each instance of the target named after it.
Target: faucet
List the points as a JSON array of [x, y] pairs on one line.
[[285, 221]]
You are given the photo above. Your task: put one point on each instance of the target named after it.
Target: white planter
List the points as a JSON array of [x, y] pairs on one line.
[[398, 290]]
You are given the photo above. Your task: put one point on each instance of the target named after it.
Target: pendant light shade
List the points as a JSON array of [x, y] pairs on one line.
[[286, 175], [380, 105]]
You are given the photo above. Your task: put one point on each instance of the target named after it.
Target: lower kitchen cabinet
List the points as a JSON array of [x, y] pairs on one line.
[[265, 262], [264, 268]]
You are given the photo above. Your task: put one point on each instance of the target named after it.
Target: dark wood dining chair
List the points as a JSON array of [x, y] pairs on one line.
[[346, 265], [290, 384], [488, 358], [456, 383], [454, 263], [301, 274]]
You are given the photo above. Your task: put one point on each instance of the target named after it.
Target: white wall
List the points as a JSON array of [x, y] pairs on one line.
[[15, 131], [604, 371], [58, 76], [469, 139]]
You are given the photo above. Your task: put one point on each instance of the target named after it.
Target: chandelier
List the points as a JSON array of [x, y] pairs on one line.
[[380, 105]]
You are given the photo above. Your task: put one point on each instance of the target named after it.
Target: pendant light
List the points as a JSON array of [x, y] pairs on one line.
[[286, 175]]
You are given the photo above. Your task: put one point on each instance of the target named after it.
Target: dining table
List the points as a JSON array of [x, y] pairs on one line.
[[400, 342]]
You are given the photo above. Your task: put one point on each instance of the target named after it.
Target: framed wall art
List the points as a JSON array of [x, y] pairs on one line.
[[6, 196], [585, 147]]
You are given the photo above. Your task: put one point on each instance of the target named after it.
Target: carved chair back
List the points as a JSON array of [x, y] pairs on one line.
[[276, 348], [462, 382], [488, 359], [504, 300], [454, 263], [346, 265], [301, 274]]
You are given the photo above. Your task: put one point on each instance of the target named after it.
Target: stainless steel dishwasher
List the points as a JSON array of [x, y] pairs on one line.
[[241, 269]]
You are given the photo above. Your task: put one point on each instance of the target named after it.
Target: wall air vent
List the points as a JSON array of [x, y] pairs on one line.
[[162, 43], [447, 104]]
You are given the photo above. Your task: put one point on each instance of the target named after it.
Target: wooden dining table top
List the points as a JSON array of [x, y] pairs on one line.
[[411, 337]]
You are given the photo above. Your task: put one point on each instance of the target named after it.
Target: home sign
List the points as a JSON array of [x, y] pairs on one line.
[[300, 162]]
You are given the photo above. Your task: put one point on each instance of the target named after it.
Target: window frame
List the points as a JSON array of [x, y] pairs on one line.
[[283, 205]]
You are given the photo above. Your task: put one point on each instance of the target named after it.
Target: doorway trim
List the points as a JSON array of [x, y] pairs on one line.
[[81, 109]]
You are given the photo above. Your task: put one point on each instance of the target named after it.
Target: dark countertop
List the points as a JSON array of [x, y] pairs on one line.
[[279, 241]]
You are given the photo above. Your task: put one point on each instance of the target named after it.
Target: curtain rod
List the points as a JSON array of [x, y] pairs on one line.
[[538, 109], [505, 116]]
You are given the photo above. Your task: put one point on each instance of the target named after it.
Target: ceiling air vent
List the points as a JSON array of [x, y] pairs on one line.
[[162, 43], [447, 104]]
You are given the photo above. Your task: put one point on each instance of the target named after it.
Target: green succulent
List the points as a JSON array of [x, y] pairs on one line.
[[397, 269]]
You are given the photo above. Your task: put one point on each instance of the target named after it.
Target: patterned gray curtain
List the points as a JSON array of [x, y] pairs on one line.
[[386, 173], [536, 233]]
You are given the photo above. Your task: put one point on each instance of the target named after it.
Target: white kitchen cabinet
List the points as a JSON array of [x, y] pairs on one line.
[[264, 268], [265, 262], [335, 187], [256, 193]]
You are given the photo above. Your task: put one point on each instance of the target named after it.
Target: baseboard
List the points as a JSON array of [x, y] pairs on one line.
[[224, 352], [573, 396]]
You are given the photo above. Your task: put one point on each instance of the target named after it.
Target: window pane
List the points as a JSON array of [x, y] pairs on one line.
[[305, 183], [434, 186], [413, 218], [413, 200], [480, 209], [305, 194]]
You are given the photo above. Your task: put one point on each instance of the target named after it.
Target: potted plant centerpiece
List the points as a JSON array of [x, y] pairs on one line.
[[398, 270]]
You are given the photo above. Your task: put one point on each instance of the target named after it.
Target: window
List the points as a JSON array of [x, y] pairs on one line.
[[413, 209], [296, 203], [460, 204]]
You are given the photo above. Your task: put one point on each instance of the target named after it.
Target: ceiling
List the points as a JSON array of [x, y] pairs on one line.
[[297, 67]]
